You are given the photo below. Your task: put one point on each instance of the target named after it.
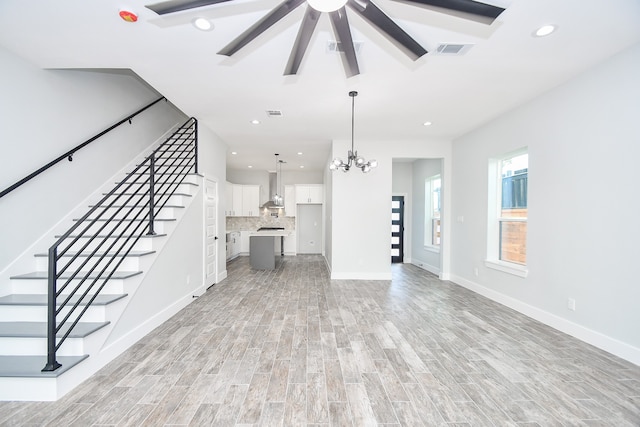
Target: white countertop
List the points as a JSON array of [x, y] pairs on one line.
[[271, 233]]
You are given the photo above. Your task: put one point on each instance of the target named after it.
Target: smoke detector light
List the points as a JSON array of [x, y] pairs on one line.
[[128, 16]]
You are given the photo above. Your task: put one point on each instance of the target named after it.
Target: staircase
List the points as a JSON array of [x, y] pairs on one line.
[[101, 263]]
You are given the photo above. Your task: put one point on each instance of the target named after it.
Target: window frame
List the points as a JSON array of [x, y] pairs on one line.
[[495, 220], [429, 210]]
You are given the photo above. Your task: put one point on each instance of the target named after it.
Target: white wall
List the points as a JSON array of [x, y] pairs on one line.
[[45, 113], [583, 233], [361, 214]]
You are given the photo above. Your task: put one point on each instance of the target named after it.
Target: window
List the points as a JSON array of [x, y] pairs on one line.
[[432, 212], [508, 203]]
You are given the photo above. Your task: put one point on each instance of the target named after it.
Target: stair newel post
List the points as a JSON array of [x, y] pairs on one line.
[[52, 363], [152, 193], [195, 145]]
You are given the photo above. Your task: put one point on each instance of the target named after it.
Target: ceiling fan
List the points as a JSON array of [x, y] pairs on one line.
[[468, 9]]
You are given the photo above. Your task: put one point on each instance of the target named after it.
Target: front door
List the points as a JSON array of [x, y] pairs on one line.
[[211, 239], [397, 229]]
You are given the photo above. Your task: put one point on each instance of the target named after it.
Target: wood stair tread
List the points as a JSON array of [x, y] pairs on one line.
[[41, 299], [31, 366], [39, 329]]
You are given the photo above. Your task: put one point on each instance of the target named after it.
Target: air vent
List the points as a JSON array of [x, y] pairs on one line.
[[453, 49], [335, 46], [274, 113]]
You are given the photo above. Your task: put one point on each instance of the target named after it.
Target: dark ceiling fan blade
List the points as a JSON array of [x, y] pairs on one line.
[[343, 34], [305, 32], [487, 12], [389, 28], [178, 5], [261, 26]]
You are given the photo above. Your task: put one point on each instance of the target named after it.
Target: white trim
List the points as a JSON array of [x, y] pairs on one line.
[[431, 248], [507, 267], [426, 266], [364, 275], [595, 338]]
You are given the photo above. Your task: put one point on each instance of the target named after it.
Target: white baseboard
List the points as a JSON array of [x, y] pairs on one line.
[[426, 266], [597, 339], [360, 275]]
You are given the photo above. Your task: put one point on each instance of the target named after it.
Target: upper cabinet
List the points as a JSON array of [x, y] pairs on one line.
[[242, 200], [309, 194], [250, 200]]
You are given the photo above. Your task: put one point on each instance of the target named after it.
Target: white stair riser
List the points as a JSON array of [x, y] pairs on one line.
[[39, 286], [143, 244], [126, 264], [15, 346], [166, 212], [28, 389], [38, 313], [127, 228]]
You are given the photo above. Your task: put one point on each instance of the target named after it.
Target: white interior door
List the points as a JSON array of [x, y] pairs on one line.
[[211, 227]]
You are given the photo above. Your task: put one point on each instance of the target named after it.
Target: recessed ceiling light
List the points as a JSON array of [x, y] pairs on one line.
[[545, 30], [301, 166], [255, 122], [427, 124], [299, 153], [234, 152], [249, 166], [202, 24]]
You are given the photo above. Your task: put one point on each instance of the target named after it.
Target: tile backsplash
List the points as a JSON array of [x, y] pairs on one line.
[[252, 223]]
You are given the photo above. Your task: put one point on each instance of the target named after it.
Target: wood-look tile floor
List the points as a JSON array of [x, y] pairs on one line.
[[291, 347]]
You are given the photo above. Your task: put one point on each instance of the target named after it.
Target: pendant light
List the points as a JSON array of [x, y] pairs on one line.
[[352, 157]]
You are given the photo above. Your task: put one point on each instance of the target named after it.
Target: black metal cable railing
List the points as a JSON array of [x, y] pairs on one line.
[[69, 154], [85, 258]]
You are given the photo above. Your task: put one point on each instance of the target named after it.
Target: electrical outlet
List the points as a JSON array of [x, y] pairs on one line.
[[188, 279], [475, 272], [571, 304]]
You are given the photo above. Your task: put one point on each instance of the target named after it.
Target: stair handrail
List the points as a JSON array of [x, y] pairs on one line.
[[69, 154], [140, 196]]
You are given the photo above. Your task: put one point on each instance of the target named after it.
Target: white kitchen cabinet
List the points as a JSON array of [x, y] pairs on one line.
[[309, 194], [228, 208], [245, 242], [250, 200], [289, 200], [237, 200], [242, 200], [290, 244], [233, 245]]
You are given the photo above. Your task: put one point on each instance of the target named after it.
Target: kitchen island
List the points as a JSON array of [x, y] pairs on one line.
[[262, 254]]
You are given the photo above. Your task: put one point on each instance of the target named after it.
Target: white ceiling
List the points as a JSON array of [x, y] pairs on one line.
[[505, 67]]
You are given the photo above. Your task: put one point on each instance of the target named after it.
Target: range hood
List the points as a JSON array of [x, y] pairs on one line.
[[276, 200], [273, 191]]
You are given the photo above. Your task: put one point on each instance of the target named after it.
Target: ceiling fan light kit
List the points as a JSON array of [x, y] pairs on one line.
[[352, 156], [336, 9]]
